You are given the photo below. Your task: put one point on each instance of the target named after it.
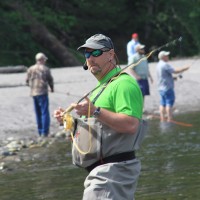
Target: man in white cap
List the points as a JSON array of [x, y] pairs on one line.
[[166, 84], [116, 119], [140, 69], [39, 78]]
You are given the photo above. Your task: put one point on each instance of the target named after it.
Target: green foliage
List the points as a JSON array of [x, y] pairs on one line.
[[72, 22]]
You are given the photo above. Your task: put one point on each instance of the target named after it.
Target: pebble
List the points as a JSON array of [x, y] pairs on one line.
[[11, 146]]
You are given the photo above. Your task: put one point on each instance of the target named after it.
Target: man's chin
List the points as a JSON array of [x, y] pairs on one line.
[[94, 70]]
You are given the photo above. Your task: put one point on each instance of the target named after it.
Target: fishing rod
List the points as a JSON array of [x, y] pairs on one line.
[[181, 74], [173, 121], [171, 43]]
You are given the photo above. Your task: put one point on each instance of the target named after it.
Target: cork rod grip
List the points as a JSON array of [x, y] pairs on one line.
[[69, 109]]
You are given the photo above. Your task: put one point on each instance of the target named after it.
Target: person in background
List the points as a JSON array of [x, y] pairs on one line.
[[131, 47], [39, 78], [117, 111], [166, 84], [141, 69]]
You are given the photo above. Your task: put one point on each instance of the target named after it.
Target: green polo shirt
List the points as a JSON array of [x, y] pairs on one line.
[[122, 95]]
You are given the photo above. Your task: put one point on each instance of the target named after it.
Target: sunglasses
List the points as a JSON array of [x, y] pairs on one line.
[[94, 53]]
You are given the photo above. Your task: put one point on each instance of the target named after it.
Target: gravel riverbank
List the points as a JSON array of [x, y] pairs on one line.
[[17, 118]]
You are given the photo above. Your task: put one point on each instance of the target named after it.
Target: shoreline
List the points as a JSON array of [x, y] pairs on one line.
[[71, 83]]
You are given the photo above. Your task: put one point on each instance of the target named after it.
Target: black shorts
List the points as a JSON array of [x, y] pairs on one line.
[[144, 86]]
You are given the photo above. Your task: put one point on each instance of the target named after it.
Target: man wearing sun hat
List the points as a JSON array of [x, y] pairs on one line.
[[39, 78], [115, 123], [166, 84], [131, 47]]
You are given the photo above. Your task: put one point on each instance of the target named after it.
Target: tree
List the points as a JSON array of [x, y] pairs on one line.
[[58, 27]]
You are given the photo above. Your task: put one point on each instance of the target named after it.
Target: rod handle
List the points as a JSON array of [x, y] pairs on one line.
[[69, 109]]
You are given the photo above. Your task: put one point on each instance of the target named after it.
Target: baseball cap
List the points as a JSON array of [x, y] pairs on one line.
[[139, 46], [40, 55], [163, 53], [134, 35], [98, 41]]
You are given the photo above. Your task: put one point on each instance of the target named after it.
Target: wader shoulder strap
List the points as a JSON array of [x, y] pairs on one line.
[[99, 93], [104, 87]]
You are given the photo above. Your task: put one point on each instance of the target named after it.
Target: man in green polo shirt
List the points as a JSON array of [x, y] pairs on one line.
[[116, 107]]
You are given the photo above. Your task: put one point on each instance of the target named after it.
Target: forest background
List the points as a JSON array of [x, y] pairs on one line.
[[58, 27]]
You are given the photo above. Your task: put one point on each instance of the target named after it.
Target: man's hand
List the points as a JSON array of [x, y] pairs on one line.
[[85, 108], [58, 113]]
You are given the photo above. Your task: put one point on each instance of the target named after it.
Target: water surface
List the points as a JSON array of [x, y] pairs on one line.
[[170, 167]]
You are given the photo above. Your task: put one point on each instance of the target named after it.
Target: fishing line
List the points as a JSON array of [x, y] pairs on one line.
[[181, 74], [67, 93], [173, 121], [69, 125]]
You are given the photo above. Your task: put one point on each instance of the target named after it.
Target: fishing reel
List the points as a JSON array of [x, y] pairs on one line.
[[68, 121], [180, 76]]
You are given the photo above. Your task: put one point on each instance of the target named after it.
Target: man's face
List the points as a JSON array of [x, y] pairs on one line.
[[97, 60], [165, 58], [41, 60], [141, 51]]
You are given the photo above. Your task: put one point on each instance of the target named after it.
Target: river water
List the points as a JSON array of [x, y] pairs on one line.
[[170, 167]]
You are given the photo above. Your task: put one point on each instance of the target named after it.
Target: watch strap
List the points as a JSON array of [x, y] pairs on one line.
[[97, 112]]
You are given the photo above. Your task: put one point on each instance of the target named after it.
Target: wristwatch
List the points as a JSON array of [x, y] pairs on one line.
[[97, 112]]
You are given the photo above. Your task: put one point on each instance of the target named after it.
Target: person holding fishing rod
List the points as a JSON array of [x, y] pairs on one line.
[[166, 84], [141, 71], [111, 124]]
